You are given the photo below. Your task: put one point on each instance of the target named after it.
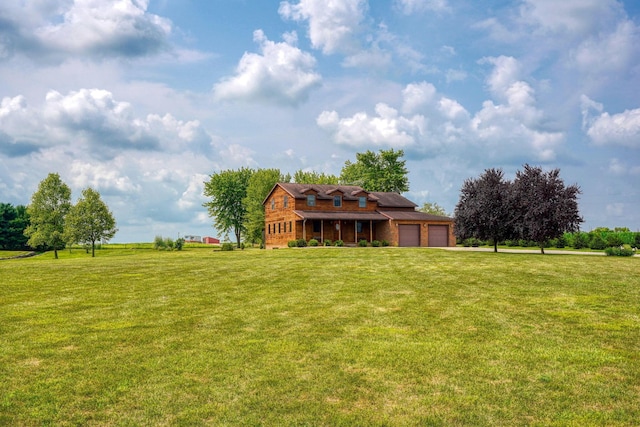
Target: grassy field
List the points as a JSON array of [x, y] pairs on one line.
[[319, 336]]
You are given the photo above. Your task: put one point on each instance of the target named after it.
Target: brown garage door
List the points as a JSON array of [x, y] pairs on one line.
[[409, 235], [438, 235]]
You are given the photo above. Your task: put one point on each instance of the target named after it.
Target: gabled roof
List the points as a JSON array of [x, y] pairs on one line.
[[323, 191], [413, 216], [392, 200]]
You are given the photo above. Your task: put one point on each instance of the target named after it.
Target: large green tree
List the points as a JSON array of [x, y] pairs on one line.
[[312, 177], [47, 211], [13, 221], [383, 171], [543, 206], [433, 209], [260, 183], [484, 210], [89, 221], [228, 190]]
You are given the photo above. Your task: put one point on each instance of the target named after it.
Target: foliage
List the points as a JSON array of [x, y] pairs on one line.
[[375, 243], [433, 209], [89, 221], [362, 243], [292, 243], [312, 177], [227, 246], [579, 240], [13, 222], [338, 243], [344, 337], [544, 207], [383, 171], [167, 244], [597, 242], [614, 240], [625, 250], [301, 243], [327, 242], [313, 242], [485, 208], [260, 184], [47, 211], [228, 190], [179, 244]]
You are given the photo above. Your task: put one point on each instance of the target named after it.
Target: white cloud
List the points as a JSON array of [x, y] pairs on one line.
[[84, 27], [508, 126], [409, 7], [605, 129], [282, 74], [333, 25]]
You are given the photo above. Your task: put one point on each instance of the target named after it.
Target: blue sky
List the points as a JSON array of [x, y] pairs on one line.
[[142, 100]]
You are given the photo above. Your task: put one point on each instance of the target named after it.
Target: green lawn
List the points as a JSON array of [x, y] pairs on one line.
[[319, 336]]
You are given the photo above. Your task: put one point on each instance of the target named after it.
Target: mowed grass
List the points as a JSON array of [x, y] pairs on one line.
[[319, 336]]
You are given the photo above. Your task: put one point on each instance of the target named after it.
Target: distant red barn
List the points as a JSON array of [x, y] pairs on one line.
[[211, 241]]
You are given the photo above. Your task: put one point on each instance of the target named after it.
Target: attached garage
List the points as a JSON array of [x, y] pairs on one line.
[[409, 235], [438, 236]]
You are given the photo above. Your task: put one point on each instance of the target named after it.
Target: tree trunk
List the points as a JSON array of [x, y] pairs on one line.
[[495, 245], [93, 249], [542, 248], [55, 252]]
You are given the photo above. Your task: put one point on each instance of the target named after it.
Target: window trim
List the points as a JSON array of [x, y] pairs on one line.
[[311, 199], [362, 202], [337, 201]]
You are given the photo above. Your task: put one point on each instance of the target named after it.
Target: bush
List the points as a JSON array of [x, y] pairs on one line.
[[472, 241], [375, 243], [292, 243], [313, 242], [580, 240], [227, 246], [159, 243], [385, 243], [362, 243], [560, 242], [511, 243], [179, 244], [636, 240], [597, 242], [339, 243], [327, 242], [301, 243], [619, 251], [614, 240]]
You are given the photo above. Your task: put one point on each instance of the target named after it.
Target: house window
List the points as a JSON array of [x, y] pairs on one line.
[[286, 201], [362, 201], [317, 225], [359, 226], [337, 201], [311, 200], [279, 228], [273, 204], [269, 227], [290, 229]]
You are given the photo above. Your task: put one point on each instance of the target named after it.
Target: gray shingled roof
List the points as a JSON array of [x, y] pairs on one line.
[[350, 192]]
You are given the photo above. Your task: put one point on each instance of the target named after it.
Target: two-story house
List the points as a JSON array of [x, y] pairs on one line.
[[349, 213]]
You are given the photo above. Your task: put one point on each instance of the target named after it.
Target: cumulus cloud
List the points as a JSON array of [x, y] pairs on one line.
[[333, 25], [93, 120], [82, 27], [409, 7], [610, 129], [507, 126], [282, 74]]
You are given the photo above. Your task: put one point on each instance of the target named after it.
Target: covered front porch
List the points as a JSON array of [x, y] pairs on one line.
[[350, 227]]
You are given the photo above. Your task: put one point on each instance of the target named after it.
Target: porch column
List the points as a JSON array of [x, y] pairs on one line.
[[304, 229], [370, 230], [355, 231], [322, 230]]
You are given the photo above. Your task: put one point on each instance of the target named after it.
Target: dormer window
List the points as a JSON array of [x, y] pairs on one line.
[[285, 201], [311, 200], [337, 201], [362, 201]]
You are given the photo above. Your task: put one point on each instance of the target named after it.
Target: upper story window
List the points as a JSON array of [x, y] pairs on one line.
[[311, 200], [285, 201], [273, 204], [337, 201], [362, 201]]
